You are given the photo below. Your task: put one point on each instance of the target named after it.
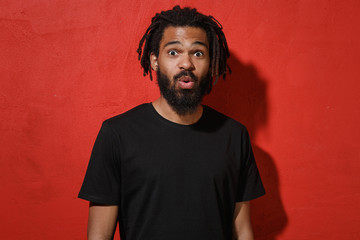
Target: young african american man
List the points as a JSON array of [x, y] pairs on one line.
[[174, 169]]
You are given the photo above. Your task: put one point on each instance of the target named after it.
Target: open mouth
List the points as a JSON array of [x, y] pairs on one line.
[[185, 79], [186, 82]]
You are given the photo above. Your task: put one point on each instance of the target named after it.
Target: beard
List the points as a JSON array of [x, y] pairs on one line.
[[183, 101]]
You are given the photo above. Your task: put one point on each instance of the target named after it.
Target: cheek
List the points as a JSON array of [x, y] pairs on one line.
[[204, 68], [205, 63], [166, 69]]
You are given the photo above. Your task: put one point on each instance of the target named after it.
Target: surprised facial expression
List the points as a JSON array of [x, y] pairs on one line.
[[182, 67]]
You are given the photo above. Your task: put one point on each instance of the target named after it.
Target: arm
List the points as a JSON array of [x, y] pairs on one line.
[[102, 221], [241, 222]]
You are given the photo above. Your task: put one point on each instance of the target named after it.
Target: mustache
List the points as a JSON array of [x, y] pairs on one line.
[[187, 74]]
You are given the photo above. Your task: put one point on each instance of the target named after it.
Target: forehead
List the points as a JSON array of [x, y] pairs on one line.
[[184, 35]]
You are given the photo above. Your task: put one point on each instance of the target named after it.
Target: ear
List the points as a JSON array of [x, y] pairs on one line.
[[154, 62]]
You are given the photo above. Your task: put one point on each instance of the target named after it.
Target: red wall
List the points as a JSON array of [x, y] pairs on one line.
[[67, 65]]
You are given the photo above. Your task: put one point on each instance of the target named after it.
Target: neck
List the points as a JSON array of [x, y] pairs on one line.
[[166, 111]]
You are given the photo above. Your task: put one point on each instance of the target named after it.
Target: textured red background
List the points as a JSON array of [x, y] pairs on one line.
[[67, 65]]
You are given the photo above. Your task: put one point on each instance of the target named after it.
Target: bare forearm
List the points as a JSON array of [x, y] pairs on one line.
[[244, 236], [96, 232], [102, 222], [99, 237], [242, 222]]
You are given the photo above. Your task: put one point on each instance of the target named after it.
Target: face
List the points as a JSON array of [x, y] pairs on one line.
[[182, 67]]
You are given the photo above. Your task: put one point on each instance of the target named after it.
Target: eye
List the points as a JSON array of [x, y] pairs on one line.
[[199, 54], [172, 52]]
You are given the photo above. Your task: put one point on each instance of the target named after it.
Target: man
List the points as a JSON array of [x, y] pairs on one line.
[[174, 169]]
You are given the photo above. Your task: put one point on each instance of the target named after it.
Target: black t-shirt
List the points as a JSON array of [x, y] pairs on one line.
[[172, 181]]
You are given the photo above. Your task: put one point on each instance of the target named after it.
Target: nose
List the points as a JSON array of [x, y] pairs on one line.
[[185, 63]]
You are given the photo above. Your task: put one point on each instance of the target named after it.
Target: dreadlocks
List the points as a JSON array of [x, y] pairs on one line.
[[180, 17]]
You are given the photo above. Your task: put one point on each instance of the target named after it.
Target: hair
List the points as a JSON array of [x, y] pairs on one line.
[[186, 17]]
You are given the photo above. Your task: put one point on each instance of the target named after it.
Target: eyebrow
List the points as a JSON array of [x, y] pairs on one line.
[[178, 42]]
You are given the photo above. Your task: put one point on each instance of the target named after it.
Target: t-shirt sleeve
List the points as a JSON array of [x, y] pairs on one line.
[[250, 185], [102, 179]]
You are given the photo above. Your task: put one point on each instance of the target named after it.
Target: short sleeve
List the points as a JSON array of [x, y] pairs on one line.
[[250, 185], [102, 179]]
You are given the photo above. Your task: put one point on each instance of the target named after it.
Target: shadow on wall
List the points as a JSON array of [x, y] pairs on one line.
[[243, 96]]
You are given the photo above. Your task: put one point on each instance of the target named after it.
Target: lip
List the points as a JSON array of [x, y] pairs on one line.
[[185, 79], [186, 82], [186, 85]]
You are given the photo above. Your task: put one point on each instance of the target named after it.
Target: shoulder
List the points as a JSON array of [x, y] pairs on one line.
[[139, 112], [214, 117], [135, 118]]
